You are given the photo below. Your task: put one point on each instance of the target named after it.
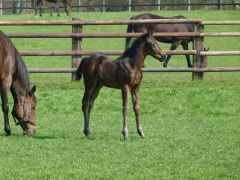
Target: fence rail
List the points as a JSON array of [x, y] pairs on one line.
[[72, 70], [77, 35], [120, 35]]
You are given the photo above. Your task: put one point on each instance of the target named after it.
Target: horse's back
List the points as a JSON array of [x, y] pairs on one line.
[[6, 56], [101, 69], [163, 27]]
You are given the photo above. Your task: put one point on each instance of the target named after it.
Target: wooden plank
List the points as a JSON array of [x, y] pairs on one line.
[[220, 53], [85, 53], [98, 35], [234, 22], [119, 35], [117, 22], [71, 70], [220, 34], [100, 22]]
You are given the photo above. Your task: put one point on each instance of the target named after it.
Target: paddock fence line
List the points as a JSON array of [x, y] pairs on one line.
[[27, 6], [77, 35]]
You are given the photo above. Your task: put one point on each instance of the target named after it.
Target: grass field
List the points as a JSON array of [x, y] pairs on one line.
[[192, 128]]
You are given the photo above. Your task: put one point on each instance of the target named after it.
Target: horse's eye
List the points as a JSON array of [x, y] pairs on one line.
[[33, 107]]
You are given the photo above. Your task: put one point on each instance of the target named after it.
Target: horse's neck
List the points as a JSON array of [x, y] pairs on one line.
[[138, 59], [18, 91]]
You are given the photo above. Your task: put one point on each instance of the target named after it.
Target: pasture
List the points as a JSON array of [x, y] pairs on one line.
[[192, 128]]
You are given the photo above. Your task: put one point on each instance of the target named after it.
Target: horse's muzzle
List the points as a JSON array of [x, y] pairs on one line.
[[29, 131]]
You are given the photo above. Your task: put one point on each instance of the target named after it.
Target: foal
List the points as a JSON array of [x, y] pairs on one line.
[[125, 73]]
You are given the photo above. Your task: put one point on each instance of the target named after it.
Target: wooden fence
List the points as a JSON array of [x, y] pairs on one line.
[[76, 35]]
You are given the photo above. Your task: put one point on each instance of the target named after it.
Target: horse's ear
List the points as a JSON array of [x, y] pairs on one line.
[[206, 49], [33, 90]]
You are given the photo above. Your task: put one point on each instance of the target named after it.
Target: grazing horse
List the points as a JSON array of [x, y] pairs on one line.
[[125, 73], [67, 5], [175, 41], [14, 78]]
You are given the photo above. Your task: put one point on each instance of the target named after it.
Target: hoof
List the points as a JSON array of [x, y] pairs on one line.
[[141, 134], [8, 132], [86, 132], [125, 135]]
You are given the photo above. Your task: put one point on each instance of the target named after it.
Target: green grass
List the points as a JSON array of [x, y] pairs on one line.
[[192, 129]]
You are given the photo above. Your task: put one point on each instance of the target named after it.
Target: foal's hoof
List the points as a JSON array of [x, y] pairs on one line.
[[164, 65], [8, 132], [86, 132], [125, 135], [141, 134]]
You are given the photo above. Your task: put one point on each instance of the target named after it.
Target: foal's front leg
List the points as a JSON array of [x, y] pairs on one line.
[[125, 112], [136, 107]]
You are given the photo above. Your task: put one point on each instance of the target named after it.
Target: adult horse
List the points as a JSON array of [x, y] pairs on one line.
[[175, 41], [66, 3], [14, 78], [125, 73]]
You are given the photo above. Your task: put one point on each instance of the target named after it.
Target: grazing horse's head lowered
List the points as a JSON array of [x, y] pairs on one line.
[[24, 112], [14, 78], [125, 73]]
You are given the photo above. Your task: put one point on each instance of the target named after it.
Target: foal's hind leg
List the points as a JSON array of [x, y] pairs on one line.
[[85, 109], [173, 47], [90, 94], [136, 108], [185, 47], [4, 88]]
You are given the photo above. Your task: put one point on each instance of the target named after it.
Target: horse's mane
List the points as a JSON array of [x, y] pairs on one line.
[[132, 50], [22, 70], [21, 73]]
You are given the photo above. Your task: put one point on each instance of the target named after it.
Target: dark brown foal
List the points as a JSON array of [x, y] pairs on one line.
[[125, 73]]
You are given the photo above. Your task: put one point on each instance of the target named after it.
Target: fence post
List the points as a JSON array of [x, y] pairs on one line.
[[76, 46], [189, 5], [198, 60], [1, 11], [129, 5], [103, 6], [219, 4], [159, 5], [78, 5]]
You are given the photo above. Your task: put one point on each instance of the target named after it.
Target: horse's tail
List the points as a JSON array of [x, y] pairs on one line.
[[128, 39], [78, 72]]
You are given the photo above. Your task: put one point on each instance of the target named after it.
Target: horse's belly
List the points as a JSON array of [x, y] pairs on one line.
[[107, 75]]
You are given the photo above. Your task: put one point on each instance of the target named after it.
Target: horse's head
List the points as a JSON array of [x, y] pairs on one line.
[[205, 58], [68, 8], [152, 48], [24, 112]]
